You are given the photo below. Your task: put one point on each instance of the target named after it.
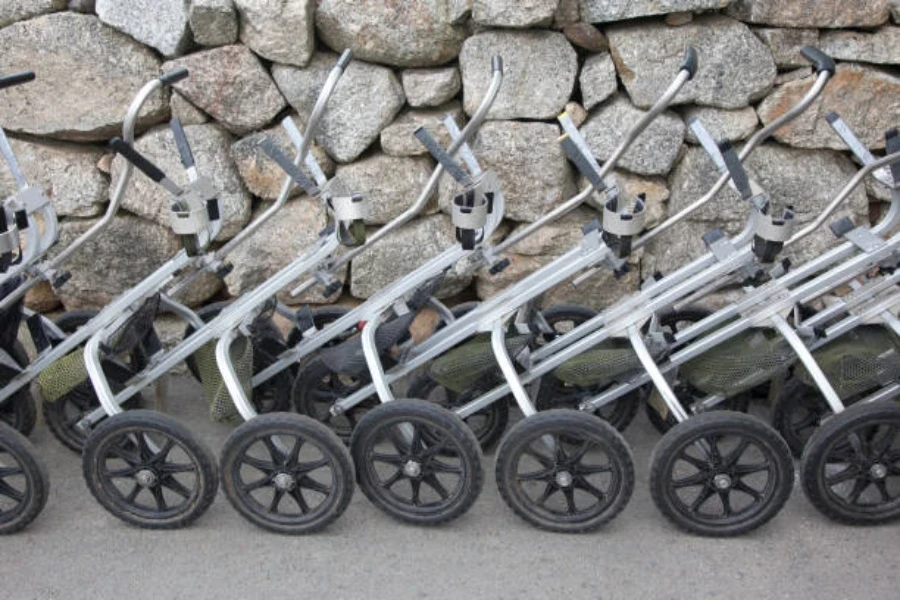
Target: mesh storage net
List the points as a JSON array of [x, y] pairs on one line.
[[601, 364], [460, 368], [221, 406]]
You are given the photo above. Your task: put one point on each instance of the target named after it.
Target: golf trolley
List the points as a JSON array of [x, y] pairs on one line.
[[24, 484]]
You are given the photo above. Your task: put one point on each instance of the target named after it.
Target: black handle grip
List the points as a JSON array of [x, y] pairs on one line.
[[61, 279], [223, 271], [499, 266], [137, 159], [345, 58], [22, 219], [333, 288], [820, 60], [184, 148], [4, 226], [690, 62], [497, 64], [891, 146], [275, 153], [16, 78], [173, 76], [440, 155]]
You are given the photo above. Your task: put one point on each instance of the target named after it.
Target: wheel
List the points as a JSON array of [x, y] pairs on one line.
[[417, 462], [563, 318], [19, 410], [798, 412], [721, 474], [24, 485], [287, 473], [658, 414], [323, 316], [565, 471], [488, 424], [851, 467], [149, 470], [272, 395], [65, 412], [317, 388]]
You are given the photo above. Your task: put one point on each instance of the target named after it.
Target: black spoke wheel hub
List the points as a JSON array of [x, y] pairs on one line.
[[23, 481]]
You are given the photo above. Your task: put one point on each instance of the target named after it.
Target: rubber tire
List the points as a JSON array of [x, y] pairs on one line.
[[398, 411], [38, 483], [711, 423], [795, 391], [290, 424], [811, 464], [568, 312], [19, 411], [563, 420], [143, 420]]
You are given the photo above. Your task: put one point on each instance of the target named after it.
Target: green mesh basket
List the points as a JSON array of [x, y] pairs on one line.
[[62, 376], [600, 364], [221, 406], [741, 363], [461, 368], [861, 360]]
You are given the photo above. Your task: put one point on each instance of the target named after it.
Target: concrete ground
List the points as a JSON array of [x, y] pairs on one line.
[[77, 550]]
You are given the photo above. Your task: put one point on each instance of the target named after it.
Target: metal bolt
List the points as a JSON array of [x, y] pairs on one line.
[[564, 479], [146, 478], [722, 481], [878, 471], [412, 469], [285, 482]]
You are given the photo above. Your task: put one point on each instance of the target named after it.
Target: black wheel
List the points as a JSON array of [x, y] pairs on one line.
[[798, 412], [287, 473], [417, 462], [317, 388], [147, 469], [24, 485], [488, 424], [563, 318], [851, 467], [65, 412], [721, 474], [19, 410], [272, 395], [565, 471]]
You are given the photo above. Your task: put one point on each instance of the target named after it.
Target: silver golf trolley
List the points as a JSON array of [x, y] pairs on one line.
[[145, 467], [24, 485]]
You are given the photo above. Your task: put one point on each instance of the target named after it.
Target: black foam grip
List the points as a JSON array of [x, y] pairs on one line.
[[333, 288], [736, 170], [345, 58], [275, 153], [690, 62], [22, 219], [16, 79], [820, 60], [184, 148], [174, 76], [497, 63], [499, 266], [440, 155], [61, 279], [581, 163], [4, 226], [212, 209], [892, 145], [223, 271], [841, 227], [137, 159]]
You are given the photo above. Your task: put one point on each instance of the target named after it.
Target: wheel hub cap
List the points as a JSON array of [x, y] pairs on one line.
[[412, 469], [284, 481], [146, 478], [722, 481], [878, 471], [564, 479]]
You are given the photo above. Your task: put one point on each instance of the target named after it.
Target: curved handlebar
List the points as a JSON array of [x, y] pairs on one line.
[[16, 79], [820, 60]]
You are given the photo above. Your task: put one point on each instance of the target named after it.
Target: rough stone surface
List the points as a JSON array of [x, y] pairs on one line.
[[530, 164], [210, 145], [281, 239], [111, 67], [279, 30], [19, 10], [514, 13], [812, 13], [603, 11], [539, 69], [65, 172], [430, 87], [231, 85], [678, 19], [186, 112], [82, 6], [398, 254], [397, 139], [41, 298], [161, 24], [365, 100], [783, 172], [214, 22], [786, 44], [881, 46], [597, 80], [732, 125], [262, 177], [868, 100], [735, 68], [586, 36], [567, 13], [391, 183], [577, 112], [651, 154], [654, 188], [126, 252], [402, 34], [895, 11]]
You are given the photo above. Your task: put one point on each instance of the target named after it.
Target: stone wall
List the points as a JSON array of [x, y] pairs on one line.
[[252, 62]]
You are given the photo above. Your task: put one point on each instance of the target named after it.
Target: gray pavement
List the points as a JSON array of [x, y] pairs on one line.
[[76, 550]]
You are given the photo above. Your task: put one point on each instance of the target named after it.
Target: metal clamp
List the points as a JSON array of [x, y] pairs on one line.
[[773, 229], [194, 218], [469, 210], [350, 208], [620, 225]]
